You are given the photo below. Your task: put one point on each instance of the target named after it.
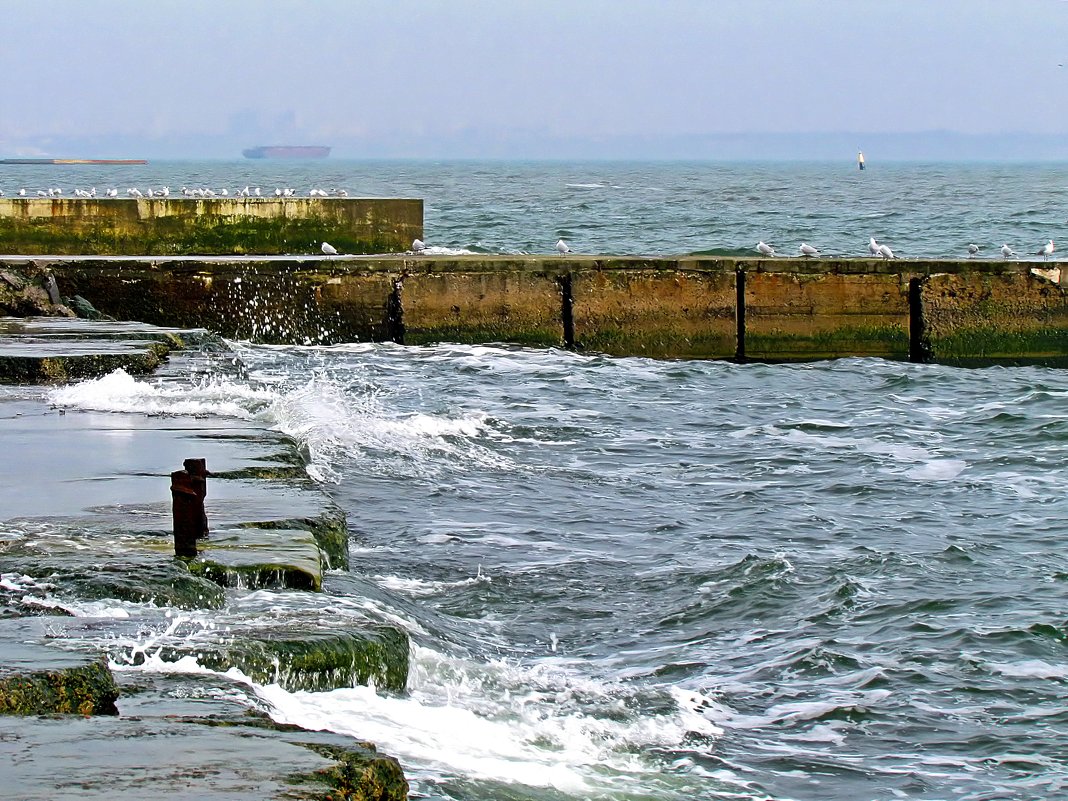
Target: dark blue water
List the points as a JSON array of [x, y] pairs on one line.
[[920, 210], [628, 579]]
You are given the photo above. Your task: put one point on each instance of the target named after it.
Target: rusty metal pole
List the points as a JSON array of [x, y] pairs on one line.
[[189, 487]]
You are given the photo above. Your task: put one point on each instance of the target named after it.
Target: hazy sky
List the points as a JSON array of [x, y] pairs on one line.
[[322, 69]]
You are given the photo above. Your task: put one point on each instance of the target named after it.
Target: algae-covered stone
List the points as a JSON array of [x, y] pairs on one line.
[[362, 774], [313, 661], [163, 756], [258, 558], [330, 530], [166, 582], [32, 683]]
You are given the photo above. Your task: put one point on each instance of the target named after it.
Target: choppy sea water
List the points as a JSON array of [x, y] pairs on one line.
[[669, 208], [628, 579]]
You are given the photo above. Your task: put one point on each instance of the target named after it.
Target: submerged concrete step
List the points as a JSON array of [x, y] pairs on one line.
[[53, 350], [38, 680]]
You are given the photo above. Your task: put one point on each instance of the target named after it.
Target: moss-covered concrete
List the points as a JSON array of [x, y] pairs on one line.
[[223, 754], [801, 316], [173, 226], [314, 661], [45, 363], [276, 301], [477, 306], [979, 318], [80, 689], [330, 530], [53, 350], [662, 313], [256, 558], [684, 307], [362, 774]]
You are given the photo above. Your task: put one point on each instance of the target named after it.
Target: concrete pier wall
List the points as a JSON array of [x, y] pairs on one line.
[[180, 225], [957, 312]]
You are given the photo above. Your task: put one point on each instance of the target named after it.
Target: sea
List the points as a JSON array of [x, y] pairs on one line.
[[628, 579]]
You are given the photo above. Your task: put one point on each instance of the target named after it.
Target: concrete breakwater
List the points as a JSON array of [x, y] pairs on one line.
[[951, 312], [222, 225], [90, 591]]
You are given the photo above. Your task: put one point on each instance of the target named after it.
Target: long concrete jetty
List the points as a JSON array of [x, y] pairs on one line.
[[177, 225], [966, 312]]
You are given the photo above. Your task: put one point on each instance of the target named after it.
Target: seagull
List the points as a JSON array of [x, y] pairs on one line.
[[873, 247], [561, 247], [808, 250], [1006, 252], [329, 249], [418, 245], [765, 250], [1047, 250], [973, 250], [885, 252]]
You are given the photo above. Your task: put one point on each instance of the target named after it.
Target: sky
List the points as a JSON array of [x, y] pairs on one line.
[[427, 73]]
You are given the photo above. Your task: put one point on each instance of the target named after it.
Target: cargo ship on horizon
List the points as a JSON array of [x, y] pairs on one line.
[[287, 152]]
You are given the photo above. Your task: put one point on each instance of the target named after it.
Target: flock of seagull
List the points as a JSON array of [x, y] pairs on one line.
[[882, 251], [875, 248], [185, 191]]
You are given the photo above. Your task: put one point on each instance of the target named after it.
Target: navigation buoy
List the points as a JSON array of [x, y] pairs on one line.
[[860, 160]]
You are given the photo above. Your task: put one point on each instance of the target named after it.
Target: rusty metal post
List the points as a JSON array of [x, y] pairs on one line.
[[189, 487]]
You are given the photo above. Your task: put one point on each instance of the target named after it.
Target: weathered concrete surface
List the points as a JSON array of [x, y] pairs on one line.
[[299, 658], [218, 758], [657, 312], [37, 680], [298, 301], [168, 226], [255, 558], [792, 316], [978, 318], [458, 302], [685, 307]]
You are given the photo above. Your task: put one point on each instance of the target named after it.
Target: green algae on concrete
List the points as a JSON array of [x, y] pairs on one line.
[[478, 306], [207, 757], [314, 661], [792, 316], [682, 307], [256, 558], [980, 318], [285, 301], [330, 530], [176, 226], [26, 362], [360, 773], [656, 313], [53, 350], [35, 680], [162, 582]]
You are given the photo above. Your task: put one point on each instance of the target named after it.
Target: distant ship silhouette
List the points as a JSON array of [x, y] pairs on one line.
[[287, 152]]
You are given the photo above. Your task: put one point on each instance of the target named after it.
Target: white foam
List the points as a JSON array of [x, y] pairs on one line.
[[417, 588], [938, 470], [118, 391], [499, 722], [1030, 669], [807, 710], [334, 425], [94, 609]]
